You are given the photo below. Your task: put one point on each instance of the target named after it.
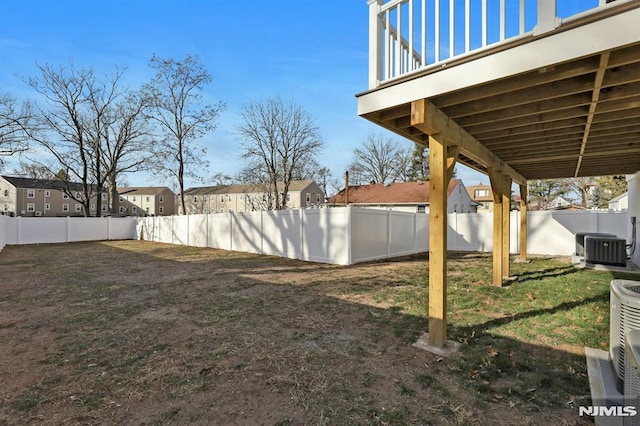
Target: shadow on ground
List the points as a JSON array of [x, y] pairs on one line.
[[140, 332]]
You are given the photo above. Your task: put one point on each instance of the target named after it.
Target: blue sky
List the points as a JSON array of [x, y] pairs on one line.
[[314, 53]]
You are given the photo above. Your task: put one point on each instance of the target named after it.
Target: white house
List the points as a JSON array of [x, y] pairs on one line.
[[621, 202]]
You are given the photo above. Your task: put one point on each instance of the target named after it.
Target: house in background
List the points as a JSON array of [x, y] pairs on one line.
[[620, 203], [483, 195], [560, 203], [146, 201], [251, 197], [43, 197], [405, 196]]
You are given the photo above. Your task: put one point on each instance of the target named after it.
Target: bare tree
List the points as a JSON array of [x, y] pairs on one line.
[[62, 127], [93, 129], [175, 95], [377, 160], [404, 163], [581, 186], [325, 180], [220, 178], [13, 121], [32, 171], [278, 137], [125, 143]]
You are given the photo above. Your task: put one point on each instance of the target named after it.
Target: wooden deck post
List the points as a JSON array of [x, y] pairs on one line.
[[523, 222], [443, 156], [506, 227], [438, 173], [498, 187]]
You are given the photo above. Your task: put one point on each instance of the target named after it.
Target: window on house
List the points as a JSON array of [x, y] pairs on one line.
[[147, 210], [161, 210], [308, 198], [65, 207], [205, 198], [161, 199], [122, 209], [195, 198], [6, 207], [133, 198], [288, 197], [47, 193], [317, 198], [79, 208], [134, 210], [104, 196], [65, 196], [147, 199], [31, 207], [47, 206], [230, 210], [31, 193], [222, 198], [6, 192], [104, 207], [229, 198], [93, 207]]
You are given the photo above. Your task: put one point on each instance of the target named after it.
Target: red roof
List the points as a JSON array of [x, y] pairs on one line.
[[393, 193]]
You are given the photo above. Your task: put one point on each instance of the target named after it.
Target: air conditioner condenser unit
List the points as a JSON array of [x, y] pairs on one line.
[[605, 251], [578, 254], [632, 372], [625, 317]]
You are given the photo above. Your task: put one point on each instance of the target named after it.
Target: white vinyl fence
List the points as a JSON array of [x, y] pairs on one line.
[[350, 235], [3, 231], [35, 230], [344, 236]]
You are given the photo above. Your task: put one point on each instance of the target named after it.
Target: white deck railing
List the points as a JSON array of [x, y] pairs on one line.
[[410, 35]]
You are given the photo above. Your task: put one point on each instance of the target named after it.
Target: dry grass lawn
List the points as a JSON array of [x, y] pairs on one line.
[[131, 332]]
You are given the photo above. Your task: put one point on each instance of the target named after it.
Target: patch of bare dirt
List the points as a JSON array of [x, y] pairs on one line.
[[132, 332]]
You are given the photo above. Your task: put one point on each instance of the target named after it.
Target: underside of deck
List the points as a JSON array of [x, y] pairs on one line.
[[564, 104], [559, 102]]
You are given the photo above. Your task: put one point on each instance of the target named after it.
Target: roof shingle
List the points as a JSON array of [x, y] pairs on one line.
[[394, 193]]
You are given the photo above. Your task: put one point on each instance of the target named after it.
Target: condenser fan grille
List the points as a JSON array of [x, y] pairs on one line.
[[629, 320]]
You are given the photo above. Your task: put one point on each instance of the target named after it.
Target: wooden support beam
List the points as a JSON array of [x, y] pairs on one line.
[[427, 118], [497, 240], [506, 227], [438, 173], [501, 188], [452, 157], [604, 60], [523, 222]]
